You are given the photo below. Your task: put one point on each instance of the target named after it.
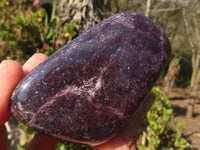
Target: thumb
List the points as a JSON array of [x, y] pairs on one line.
[[10, 74]]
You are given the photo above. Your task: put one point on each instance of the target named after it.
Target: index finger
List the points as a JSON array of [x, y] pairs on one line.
[[33, 62]]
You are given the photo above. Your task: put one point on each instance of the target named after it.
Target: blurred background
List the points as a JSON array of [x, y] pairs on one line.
[[30, 26]]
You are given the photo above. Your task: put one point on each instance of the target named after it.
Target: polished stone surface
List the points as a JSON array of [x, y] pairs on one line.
[[90, 88]]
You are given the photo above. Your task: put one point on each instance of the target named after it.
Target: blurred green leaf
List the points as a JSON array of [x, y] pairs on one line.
[[71, 29], [41, 13], [4, 4]]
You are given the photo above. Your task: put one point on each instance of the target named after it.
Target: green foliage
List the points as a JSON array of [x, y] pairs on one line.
[[27, 129], [16, 27], [71, 29], [26, 29], [179, 140], [155, 131]]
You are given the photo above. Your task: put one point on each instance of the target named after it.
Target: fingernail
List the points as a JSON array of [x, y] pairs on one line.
[[3, 65], [31, 59]]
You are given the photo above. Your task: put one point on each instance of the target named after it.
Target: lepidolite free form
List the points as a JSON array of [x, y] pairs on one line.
[[89, 89]]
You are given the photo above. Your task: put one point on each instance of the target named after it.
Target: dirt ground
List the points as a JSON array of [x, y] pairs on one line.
[[179, 98]]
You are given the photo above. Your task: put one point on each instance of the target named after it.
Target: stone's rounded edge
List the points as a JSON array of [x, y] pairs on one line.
[[64, 139]]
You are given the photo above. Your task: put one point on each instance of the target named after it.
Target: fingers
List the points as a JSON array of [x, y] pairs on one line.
[[116, 143], [127, 138], [42, 142], [144, 107], [33, 61], [3, 138], [10, 74]]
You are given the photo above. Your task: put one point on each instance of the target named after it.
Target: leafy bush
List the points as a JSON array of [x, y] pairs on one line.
[[26, 29], [155, 133]]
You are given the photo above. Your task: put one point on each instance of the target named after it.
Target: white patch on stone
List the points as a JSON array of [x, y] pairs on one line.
[[91, 86], [116, 112], [19, 105], [98, 84]]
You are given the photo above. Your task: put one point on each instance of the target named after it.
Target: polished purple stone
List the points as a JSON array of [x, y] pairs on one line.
[[88, 90]]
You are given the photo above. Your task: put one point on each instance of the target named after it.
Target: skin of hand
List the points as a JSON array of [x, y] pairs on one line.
[[11, 73]]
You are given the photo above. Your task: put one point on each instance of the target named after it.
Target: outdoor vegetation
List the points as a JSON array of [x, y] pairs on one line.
[[30, 26]]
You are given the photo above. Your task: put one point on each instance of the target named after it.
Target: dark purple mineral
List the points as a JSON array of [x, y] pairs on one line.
[[88, 90]]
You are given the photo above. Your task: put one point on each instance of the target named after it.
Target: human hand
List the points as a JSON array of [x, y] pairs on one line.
[[11, 73]]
